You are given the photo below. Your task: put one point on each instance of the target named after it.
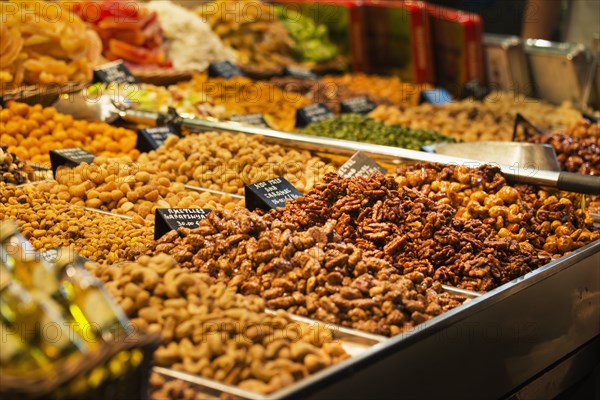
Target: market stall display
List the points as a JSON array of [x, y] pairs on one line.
[[344, 276], [45, 44]]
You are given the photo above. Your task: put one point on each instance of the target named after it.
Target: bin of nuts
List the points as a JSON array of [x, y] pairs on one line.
[[228, 161], [124, 187], [210, 330], [31, 132], [470, 120], [370, 253], [49, 222]]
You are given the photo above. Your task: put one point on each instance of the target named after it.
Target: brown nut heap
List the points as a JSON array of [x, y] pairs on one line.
[[535, 218], [210, 330], [298, 260], [228, 162], [577, 149], [470, 120], [126, 188], [49, 222], [12, 169]]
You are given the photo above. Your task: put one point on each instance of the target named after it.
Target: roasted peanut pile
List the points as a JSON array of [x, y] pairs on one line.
[[553, 224], [210, 330], [577, 149], [127, 188], [12, 169], [240, 96], [228, 162], [309, 271], [31, 132], [470, 120], [49, 222]]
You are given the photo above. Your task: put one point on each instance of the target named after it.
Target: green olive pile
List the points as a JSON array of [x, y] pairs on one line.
[[361, 128]]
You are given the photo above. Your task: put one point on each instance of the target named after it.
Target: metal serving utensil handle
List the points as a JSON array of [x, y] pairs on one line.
[[588, 184]]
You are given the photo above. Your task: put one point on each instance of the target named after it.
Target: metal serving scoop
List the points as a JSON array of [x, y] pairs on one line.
[[522, 155], [110, 109]]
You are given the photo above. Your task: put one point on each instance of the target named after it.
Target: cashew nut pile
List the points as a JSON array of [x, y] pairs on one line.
[[227, 162], [209, 329], [162, 388], [127, 188], [49, 222]]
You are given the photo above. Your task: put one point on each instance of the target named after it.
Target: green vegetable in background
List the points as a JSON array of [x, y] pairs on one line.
[[361, 128], [311, 40]]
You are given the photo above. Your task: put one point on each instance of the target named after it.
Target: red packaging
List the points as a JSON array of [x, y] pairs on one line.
[[397, 40], [343, 22], [457, 47]]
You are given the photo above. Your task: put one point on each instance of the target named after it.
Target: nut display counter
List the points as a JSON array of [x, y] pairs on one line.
[[282, 233], [494, 324]]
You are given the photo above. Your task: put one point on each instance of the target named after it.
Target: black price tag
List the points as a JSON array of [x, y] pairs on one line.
[[300, 73], [2, 103], [270, 194], [435, 96], [360, 165], [69, 158], [256, 119], [114, 72], [358, 105], [313, 113], [169, 219], [149, 139], [224, 70]]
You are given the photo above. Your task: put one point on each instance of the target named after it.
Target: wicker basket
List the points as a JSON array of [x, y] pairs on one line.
[[132, 384]]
